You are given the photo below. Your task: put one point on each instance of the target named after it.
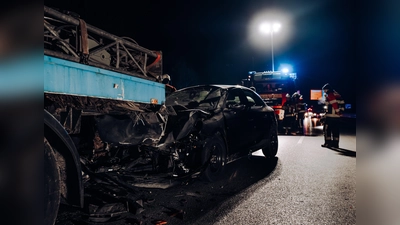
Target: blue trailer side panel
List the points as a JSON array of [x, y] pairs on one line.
[[71, 78]]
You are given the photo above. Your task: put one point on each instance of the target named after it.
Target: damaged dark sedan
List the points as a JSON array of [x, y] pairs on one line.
[[217, 124], [195, 133]]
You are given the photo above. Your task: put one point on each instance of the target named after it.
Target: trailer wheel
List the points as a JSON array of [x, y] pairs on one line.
[[51, 185], [214, 157]]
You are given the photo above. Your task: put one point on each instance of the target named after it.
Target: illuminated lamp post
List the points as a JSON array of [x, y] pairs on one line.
[[270, 28]]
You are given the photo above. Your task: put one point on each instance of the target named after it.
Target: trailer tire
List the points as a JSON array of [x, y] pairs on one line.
[[51, 184], [214, 158]]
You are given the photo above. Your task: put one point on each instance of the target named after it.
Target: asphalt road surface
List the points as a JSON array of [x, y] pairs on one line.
[[304, 184]]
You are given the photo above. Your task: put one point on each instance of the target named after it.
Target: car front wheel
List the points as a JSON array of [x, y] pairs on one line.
[[213, 157], [272, 148]]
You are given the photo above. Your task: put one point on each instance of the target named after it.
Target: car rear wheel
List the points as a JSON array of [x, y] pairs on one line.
[[214, 157], [51, 185], [272, 148]]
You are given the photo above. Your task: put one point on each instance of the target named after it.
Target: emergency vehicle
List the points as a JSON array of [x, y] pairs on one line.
[[272, 86]]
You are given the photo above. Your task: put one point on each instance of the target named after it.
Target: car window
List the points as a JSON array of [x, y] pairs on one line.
[[250, 99], [204, 97], [234, 97], [253, 98]]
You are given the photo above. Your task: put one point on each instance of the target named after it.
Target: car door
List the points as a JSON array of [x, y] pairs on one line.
[[235, 114], [257, 117]]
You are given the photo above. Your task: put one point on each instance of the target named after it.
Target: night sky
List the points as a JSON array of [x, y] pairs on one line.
[[217, 41]]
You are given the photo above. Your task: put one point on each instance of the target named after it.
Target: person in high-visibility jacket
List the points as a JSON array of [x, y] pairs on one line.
[[289, 121], [333, 111], [300, 110]]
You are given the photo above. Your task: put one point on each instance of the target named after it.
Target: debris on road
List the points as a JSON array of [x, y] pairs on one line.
[[159, 222], [106, 212]]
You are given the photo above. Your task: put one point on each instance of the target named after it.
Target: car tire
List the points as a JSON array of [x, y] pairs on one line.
[[271, 149], [51, 185], [213, 158]]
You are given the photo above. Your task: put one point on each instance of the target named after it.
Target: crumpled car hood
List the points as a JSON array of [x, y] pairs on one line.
[[150, 128], [181, 125]]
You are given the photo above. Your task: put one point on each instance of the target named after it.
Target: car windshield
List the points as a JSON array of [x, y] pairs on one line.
[[204, 97]]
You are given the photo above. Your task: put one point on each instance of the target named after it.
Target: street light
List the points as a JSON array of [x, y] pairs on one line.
[[270, 28]]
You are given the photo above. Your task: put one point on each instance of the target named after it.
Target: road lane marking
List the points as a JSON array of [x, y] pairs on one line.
[[300, 140]]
